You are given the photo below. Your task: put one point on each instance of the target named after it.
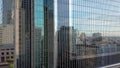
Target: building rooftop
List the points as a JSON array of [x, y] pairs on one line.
[[5, 46]]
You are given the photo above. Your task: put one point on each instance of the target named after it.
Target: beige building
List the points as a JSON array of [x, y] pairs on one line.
[[8, 34]]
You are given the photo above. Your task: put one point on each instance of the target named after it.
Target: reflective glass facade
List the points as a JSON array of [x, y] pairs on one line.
[[88, 33], [70, 33], [97, 25], [39, 34]]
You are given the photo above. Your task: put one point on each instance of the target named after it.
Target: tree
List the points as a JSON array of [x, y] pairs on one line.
[[11, 65], [10, 61]]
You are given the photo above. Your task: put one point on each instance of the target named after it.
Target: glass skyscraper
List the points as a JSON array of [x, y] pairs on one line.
[[67, 33]]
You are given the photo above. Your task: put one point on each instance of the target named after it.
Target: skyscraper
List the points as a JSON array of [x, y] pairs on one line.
[[7, 7], [1, 31], [24, 33], [46, 29]]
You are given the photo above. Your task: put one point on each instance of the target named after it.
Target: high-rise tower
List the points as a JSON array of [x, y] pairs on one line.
[[46, 29], [7, 11]]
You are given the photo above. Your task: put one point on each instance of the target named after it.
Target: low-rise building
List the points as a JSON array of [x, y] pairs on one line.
[[6, 53], [4, 65]]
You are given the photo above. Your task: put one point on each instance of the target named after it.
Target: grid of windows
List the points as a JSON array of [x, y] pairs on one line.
[[38, 33], [97, 25], [88, 33], [24, 14], [70, 33]]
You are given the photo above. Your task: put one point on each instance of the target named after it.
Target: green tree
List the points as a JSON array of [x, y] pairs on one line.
[[11, 65], [10, 61]]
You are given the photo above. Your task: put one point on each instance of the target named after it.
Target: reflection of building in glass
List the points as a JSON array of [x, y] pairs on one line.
[[39, 44], [67, 33], [83, 37], [97, 37], [86, 50], [84, 56], [64, 46], [33, 49]]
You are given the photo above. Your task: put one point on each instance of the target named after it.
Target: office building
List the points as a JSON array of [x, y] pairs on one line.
[[23, 36], [7, 11], [1, 29], [45, 33], [8, 34]]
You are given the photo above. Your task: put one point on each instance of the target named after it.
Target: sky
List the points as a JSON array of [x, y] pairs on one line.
[[90, 16]]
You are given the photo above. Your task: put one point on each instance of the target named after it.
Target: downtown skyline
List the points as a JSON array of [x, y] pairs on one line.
[[62, 33]]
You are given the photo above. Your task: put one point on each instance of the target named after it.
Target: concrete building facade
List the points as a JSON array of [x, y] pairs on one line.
[[6, 53]]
